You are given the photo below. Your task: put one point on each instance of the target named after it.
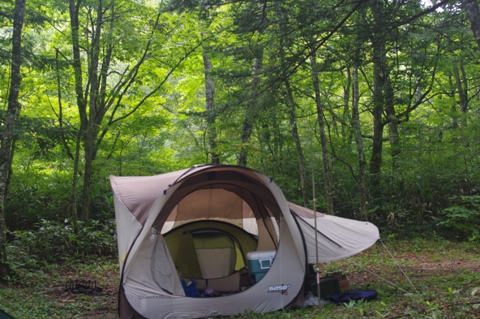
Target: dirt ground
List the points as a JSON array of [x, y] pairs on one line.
[[104, 304]]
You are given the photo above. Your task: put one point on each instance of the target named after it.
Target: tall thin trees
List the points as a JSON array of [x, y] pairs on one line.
[[110, 60]]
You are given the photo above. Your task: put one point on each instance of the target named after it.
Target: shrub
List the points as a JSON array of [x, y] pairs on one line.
[[463, 217], [55, 242]]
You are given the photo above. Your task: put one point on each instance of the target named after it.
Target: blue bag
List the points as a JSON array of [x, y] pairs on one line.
[[190, 289], [354, 295]]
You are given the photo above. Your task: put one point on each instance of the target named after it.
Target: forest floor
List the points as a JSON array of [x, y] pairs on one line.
[[416, 279]]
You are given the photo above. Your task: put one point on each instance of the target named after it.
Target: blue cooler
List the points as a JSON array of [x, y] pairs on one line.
[[259, 262]]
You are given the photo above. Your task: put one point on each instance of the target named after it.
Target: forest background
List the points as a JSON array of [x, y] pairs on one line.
[[371, 108]]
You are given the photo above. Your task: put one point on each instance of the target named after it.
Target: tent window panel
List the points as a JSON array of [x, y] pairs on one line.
[[183, 255], [216, 262], [163, 270], [216, 254]]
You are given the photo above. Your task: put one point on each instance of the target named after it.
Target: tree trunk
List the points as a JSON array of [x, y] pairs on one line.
[[250, 108], [462, 90], [95, 104], [291, 107], [359, 143], [393, 122], [81, 103], [380, 74], [346, 130], [377, 139], [298, 145], [210, 110], [473, 15], [89, 157], [327, 170], [8, 139]]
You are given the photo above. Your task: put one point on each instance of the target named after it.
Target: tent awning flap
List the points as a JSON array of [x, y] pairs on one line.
[[338, 237]]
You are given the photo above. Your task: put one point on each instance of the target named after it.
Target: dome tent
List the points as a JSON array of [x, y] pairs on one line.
[[209, 249], [202, 199]]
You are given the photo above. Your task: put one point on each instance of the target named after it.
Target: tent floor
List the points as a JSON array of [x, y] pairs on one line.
[[217, 287]]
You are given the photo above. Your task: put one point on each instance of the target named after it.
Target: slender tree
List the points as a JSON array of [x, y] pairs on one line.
[[362, 184], [473, 15], [210, 109], [7, 145], [326, 161], [252, 107]]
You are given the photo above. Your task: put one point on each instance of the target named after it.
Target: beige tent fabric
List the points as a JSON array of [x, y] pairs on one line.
[[138, 193], [337, 237], [278, 288], [211, 203], [216, 262], [152, 270], [164, 192], [128, 228], [163, 270], [233, 194]]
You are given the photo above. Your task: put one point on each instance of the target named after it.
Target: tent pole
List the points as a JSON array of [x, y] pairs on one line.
[[317, 266]]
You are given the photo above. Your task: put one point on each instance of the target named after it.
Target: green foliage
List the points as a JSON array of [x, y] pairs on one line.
[[38, 192], [443, 292], [56, 242], [463, 218], [157, 122], [40, 293]]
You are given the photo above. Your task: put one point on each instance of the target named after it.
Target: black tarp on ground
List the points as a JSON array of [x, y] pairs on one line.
[[4, 315]]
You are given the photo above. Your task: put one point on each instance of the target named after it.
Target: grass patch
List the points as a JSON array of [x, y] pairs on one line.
[[441, 277]]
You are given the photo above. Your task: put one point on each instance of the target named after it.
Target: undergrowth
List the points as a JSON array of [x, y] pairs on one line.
[[414, 279]]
